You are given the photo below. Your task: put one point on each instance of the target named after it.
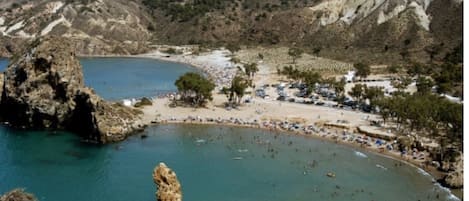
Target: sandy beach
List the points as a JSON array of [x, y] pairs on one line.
[[338, 125], [321, 122]]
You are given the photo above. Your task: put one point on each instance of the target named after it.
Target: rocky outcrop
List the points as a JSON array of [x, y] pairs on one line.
[[454, 179], [17, 195], [44, 88], [169, 188]]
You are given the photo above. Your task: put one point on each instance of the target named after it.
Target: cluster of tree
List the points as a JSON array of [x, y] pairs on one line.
[[194, 88], [311, 78], [239, 84], [186, 10], [362, 70], [446, 74], [250, 70], [237, 90], [426, 113], [362, 93], [295, 53]]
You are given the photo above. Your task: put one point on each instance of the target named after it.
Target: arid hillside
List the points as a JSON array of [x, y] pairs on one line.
[[377, 31]]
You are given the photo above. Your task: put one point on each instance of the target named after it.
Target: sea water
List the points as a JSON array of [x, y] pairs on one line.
[[123, 78], [213, 163]]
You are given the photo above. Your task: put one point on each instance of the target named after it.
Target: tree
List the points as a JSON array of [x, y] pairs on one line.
[[339, 88], [374, 94], [310, 78], [233, 48], [402, 83], [394, 69], [424, 85], [251, 69], [416, 69], [363, 70], [295, 53], [195, 88], [358, 91], [236, 91], [291, 72]]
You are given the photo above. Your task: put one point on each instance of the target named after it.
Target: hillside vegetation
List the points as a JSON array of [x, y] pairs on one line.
[[375, 31]]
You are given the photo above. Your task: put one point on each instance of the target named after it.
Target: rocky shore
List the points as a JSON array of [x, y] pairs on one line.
[[43, 88]]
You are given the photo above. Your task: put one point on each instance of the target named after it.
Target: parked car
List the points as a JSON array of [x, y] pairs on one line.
[[281, 98]]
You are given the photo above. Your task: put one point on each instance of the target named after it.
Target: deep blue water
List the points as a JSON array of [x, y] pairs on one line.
[[3, 63], [123, 78], [56, 166]]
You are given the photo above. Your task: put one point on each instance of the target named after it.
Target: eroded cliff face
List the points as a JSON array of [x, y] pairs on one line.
[[44, 89], [168, 186], [96, 27], [375, 30]]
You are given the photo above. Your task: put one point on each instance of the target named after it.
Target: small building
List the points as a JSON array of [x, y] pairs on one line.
[[350, 76]]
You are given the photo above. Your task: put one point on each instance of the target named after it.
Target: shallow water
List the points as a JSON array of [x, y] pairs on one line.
[[123, 78], [213, 163], [55, 166]]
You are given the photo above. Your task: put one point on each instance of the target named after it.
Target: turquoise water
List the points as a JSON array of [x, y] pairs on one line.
[[123, 78], [56, 166]]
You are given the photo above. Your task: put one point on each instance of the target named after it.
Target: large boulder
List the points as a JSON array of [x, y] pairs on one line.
[[454, 179], [169, 188], [17, 195], [44, 89]]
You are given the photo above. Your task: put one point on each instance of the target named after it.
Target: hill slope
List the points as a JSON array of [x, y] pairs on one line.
[[374, 30]]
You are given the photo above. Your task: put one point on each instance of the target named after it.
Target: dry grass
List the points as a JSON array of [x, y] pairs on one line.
[[278, 58]]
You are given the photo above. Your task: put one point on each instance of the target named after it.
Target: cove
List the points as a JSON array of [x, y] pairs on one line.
[[123, 78], [213, 163]]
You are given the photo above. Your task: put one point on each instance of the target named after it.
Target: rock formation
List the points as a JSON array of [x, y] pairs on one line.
[[96, 27], [169, 188], [44, 88], [17, 195], [454, 179]]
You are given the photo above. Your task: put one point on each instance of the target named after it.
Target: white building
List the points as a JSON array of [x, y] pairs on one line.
[[349, 76]]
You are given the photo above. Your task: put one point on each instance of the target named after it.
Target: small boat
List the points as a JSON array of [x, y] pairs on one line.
[[330, 174], [237, 158]]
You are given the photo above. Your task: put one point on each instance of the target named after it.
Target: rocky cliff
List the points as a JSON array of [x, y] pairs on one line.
[[168, 186], [97, 27], [44, 89], [375, 30]]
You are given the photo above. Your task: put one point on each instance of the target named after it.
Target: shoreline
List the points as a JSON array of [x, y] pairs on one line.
[[213, 63], [430, 170], [189, 60], [435, 174]]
